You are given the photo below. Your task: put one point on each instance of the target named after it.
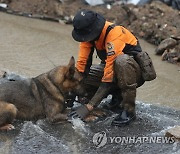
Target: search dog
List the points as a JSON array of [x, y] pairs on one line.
[[41, 97]]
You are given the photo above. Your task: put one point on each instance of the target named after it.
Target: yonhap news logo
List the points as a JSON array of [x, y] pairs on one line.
[[100, 139]]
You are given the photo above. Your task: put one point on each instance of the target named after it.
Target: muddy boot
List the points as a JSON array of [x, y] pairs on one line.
[[128, 74], [128, 102], [124, 118]]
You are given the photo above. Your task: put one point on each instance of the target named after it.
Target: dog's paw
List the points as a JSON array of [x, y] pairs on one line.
[[7, 127], [90, 118], [98, 113]]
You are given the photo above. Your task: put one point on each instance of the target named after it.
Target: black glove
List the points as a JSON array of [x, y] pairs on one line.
[[83, 77], [83, 74], [69, 102], [81, 112]]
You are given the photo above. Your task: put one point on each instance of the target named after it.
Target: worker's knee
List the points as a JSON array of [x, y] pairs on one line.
[[122, 60]]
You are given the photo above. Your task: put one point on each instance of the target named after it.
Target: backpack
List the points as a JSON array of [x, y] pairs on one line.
[[146, 65]]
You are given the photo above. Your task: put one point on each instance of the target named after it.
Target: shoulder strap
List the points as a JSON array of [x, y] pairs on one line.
[[108, 30]]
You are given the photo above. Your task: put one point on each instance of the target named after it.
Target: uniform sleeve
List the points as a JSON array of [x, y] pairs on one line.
[[85, 49], [113, 49]]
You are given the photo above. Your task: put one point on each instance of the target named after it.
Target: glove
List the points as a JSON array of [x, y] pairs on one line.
[[69, 102], [83, 75], [81, 112]]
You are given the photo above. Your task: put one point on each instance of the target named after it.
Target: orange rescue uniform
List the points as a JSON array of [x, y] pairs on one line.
[[112, 46]]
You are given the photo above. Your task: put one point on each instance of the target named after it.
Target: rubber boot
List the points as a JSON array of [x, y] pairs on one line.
[[123, 118], [116, 104], [127, 73], [128, 102]]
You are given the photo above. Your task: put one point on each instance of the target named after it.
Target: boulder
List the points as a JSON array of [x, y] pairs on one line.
[[166, 44], [174, 132]]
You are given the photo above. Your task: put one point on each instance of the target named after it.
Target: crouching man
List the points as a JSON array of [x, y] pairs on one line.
[[117, 48]]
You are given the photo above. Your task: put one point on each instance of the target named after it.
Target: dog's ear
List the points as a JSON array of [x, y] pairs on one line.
[[71, 68]]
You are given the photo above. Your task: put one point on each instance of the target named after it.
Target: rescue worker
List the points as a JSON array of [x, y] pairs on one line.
[[115, 46]]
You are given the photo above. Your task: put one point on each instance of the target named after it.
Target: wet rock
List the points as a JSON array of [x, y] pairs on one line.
[[174, 132], [171, 56], [166, 44], [169, 49], [2, 74]]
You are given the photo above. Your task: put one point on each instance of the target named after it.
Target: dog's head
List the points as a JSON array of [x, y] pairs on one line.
[[68, 79]]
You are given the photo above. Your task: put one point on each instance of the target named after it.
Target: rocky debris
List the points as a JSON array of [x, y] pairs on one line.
[[155, 22], [174, 132], [166, 44], [53, 10], [171, 56], [169, 49], [175, 4]]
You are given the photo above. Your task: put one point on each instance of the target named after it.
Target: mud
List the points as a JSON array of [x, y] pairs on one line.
[[43, 138]]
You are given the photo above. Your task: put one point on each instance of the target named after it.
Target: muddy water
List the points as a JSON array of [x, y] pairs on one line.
[[30, 47], [165, 89]]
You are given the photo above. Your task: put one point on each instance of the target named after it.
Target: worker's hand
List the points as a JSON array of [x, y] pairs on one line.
[[81, 112]]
